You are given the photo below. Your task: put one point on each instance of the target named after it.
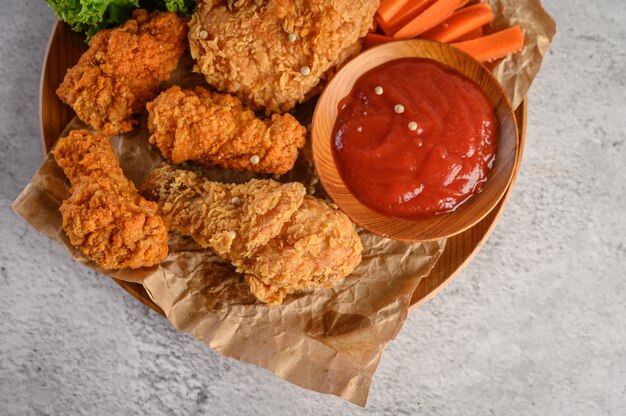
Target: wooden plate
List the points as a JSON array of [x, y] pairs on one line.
[[65, 48]]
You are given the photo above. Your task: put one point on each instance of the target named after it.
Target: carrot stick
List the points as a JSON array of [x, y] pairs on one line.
[[494, 46], [431, 17], [460, 23], [388, 8], [381, 23], [373, 39], [403, 16], [476, 33]]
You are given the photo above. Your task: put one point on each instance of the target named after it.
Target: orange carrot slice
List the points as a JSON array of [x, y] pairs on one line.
[[373, 39], [460, 23], [381, 23], [431, 17], [476, 33], [389, 8], [403, 16], [494, 46]]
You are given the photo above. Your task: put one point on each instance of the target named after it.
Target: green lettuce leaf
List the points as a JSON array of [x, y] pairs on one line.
[[90, 16], [183, 7]]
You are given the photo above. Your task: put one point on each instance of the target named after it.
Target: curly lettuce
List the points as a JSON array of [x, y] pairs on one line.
[[183, 7], [90, 16]]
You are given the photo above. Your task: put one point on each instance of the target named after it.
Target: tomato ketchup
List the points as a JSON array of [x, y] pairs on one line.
[[414, 138]]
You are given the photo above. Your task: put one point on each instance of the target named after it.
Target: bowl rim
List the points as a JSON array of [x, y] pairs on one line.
[[420, 45]]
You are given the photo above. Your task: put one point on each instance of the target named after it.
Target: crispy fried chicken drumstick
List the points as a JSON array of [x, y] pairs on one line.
[[279, 238], [217, 130], [122, 70], [105, 217], [273, 53]]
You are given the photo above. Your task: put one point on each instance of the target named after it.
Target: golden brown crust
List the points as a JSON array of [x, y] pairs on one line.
[[316, 247], [104, 216], [244, 47], [122, 70], [279, 238], [204, 209], [83, 153], [217, 130]]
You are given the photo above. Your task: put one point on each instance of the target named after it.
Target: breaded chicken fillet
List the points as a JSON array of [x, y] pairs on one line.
[[279, 238], [105, 217], [217, 130], [273, 54], [122, 70]]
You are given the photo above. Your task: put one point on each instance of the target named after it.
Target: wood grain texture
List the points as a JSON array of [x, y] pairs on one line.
[[433, 227], [64, 50]]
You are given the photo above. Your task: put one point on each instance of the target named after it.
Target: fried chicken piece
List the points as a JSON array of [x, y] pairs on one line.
[[122, 70], [105, 217], [316, 247], [217, 130], [274, 53], [279, 238]]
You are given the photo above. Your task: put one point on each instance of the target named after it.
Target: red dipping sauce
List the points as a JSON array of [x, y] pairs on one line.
[[414, 138]]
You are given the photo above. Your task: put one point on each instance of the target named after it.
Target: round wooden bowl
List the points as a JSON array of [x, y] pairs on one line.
[[64, 50], [426, 228]]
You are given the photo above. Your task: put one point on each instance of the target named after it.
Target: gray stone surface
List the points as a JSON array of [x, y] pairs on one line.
[[536, 324]]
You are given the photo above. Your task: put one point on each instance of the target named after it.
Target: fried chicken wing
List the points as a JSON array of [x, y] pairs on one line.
[[316, 247], [122, 70], [217, 130], [279, 238], [273, 53], [105, 217]]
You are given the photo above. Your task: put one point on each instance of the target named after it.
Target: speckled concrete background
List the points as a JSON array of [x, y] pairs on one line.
[[535, 325]]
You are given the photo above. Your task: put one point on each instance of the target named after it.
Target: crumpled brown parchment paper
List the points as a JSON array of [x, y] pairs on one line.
[[326, 340], [517, 71]]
